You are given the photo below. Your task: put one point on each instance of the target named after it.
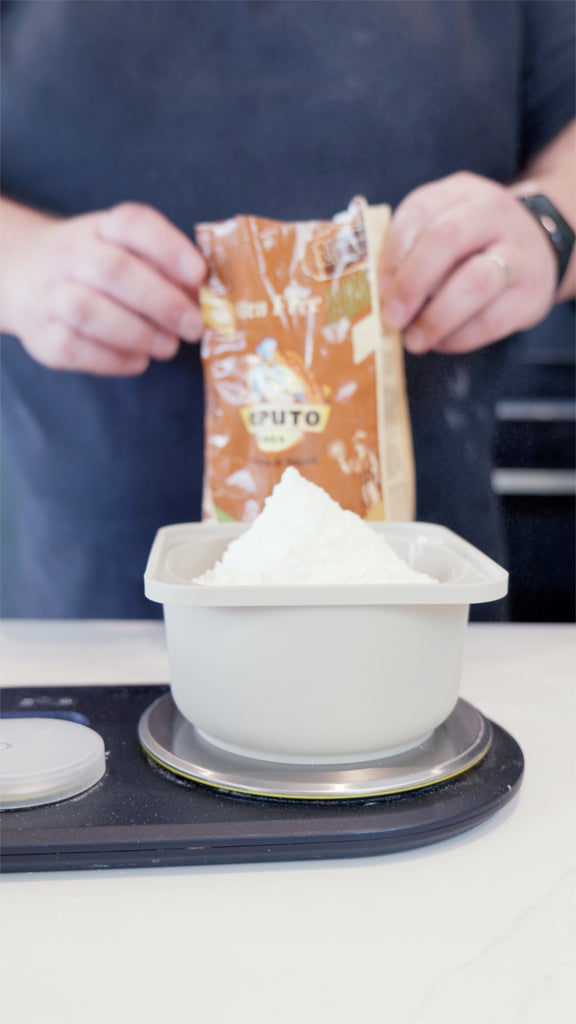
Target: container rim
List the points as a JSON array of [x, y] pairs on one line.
[[481, 579]]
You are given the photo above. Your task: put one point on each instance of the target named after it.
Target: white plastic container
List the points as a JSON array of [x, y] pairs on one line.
[[318, 674]]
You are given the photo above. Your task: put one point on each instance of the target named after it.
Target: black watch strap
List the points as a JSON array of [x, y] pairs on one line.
[[558, 231]]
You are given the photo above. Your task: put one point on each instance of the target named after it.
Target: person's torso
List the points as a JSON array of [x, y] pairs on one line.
[[207, 109]]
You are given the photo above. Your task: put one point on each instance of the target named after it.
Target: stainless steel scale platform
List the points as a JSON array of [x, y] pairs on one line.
[[459, 743]]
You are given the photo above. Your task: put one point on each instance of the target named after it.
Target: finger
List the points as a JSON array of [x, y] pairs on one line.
[[415, 211], [447, 239], [95, 316], [475, 284], [63, 348], [147, 233], [494, 322], [139, 287]]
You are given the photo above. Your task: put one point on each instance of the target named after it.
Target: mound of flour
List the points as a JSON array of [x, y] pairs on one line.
[[303, 536]]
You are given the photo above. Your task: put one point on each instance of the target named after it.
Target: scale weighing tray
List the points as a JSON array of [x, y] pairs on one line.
[[139, 815]]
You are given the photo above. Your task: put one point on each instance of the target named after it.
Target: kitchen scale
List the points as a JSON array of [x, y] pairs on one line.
[[135, 785]]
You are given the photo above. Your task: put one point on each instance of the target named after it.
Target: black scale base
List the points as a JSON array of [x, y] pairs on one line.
[[139, 815]]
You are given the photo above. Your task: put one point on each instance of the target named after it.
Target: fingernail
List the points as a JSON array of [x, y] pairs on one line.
[[190, 325], [135, 364], [164, 346], [414, 340], [192, 267], [394, 313], [408, 240]]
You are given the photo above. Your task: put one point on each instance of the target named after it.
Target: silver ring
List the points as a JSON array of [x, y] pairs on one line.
[[502, 263]]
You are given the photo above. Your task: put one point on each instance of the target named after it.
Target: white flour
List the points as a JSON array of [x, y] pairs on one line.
[[303, 536]]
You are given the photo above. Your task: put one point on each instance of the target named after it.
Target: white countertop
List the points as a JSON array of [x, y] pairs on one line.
[[475, 929]]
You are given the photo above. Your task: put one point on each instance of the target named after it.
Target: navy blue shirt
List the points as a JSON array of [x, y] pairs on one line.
[[282, 109]]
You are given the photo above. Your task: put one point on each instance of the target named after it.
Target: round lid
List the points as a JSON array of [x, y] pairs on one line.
[[44, 760]]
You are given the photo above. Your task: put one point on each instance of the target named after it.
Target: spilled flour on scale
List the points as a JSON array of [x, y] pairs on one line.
[[303, 536]]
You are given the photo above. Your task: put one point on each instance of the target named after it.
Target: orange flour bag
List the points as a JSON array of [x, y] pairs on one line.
[[298, 367]]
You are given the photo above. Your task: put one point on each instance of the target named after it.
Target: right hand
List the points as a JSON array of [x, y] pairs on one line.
[[102, 293]]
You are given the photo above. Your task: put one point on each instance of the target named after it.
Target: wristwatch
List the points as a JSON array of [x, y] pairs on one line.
[[559, 233]]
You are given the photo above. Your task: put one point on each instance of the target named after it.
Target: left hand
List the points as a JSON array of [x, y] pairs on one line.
[[464, 265]]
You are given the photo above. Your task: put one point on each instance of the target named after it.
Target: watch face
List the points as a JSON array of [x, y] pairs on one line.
[[558, 231]]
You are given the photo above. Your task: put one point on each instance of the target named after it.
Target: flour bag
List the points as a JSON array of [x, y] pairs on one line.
[[299, 369]]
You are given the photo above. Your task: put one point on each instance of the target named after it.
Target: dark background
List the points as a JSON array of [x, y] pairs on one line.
[[534, 472]]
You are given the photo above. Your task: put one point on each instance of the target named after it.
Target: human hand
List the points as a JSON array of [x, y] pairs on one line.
[[464, 265], [102, 293]]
